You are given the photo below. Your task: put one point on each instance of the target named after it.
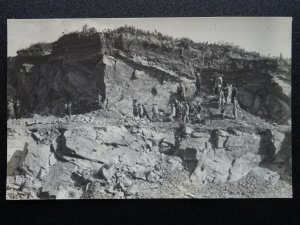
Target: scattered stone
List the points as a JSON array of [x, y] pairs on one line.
[[119, 195], [153, 177], [132, 190], [265, 174], [107, 172], [37, 136]]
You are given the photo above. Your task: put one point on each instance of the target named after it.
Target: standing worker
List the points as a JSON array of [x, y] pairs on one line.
[[198, 84], [100, 101], [191, 107], [218, 83], [106, 105], [155, 112], [198, 111], [225, 90], [179, 91], [229, 94], [234, 101], [184, 90], [10, 110], [135, 108], [222, 109], [17, 109], [179, 112], [199, 108], [173, 114], [145, 113], [221, 98], [68, 108], [141, 110], [186, 113]]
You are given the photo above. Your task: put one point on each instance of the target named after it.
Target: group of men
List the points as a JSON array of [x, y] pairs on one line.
[[184, 111], [227, 94], [181, 92], [13, 109], [68, 106], [181, 109], [139, 110]]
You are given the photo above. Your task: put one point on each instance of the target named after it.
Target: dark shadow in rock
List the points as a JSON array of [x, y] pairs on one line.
[[214, 135], [280, 162], [14, 162], [172, 98], [61, 148], [45, 195], [79, 181], [190, 165]]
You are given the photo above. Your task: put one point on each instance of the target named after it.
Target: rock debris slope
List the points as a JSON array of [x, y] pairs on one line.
[[90, 156]]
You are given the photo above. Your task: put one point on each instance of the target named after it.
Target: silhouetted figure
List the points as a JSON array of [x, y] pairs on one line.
[[179, 111], [155, 112], [17, 109], [198, 110], [145, 113], [135, 108], [226, 90], [186, 113], [141, 110], [10, 110], [68, 108], [234, 101], [218, 84], [221, 98], [173, 114], [198, 84]]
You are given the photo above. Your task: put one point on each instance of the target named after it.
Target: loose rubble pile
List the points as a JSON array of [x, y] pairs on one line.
[[128, 121], [93, 159]]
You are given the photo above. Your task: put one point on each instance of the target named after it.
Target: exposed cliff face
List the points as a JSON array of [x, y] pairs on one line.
[[121, 66]]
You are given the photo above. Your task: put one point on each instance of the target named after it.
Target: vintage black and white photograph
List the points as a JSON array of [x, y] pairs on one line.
[[149, 108]]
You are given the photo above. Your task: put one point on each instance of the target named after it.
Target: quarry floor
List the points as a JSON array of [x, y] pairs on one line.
[[173, 183]]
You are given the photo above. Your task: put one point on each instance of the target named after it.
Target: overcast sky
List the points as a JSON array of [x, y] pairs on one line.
[[266, 35]]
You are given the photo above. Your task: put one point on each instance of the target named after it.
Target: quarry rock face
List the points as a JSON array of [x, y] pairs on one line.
[[121, 67]]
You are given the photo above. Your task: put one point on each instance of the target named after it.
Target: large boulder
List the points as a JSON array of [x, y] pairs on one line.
[[285, 152], [243, 165], [35, 159], [272, 143], [265, 174], [57, 181], [219, 138], [96, 145], [277, 140], [15, 151], [213, 166], [191, 147], [243, 143]]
